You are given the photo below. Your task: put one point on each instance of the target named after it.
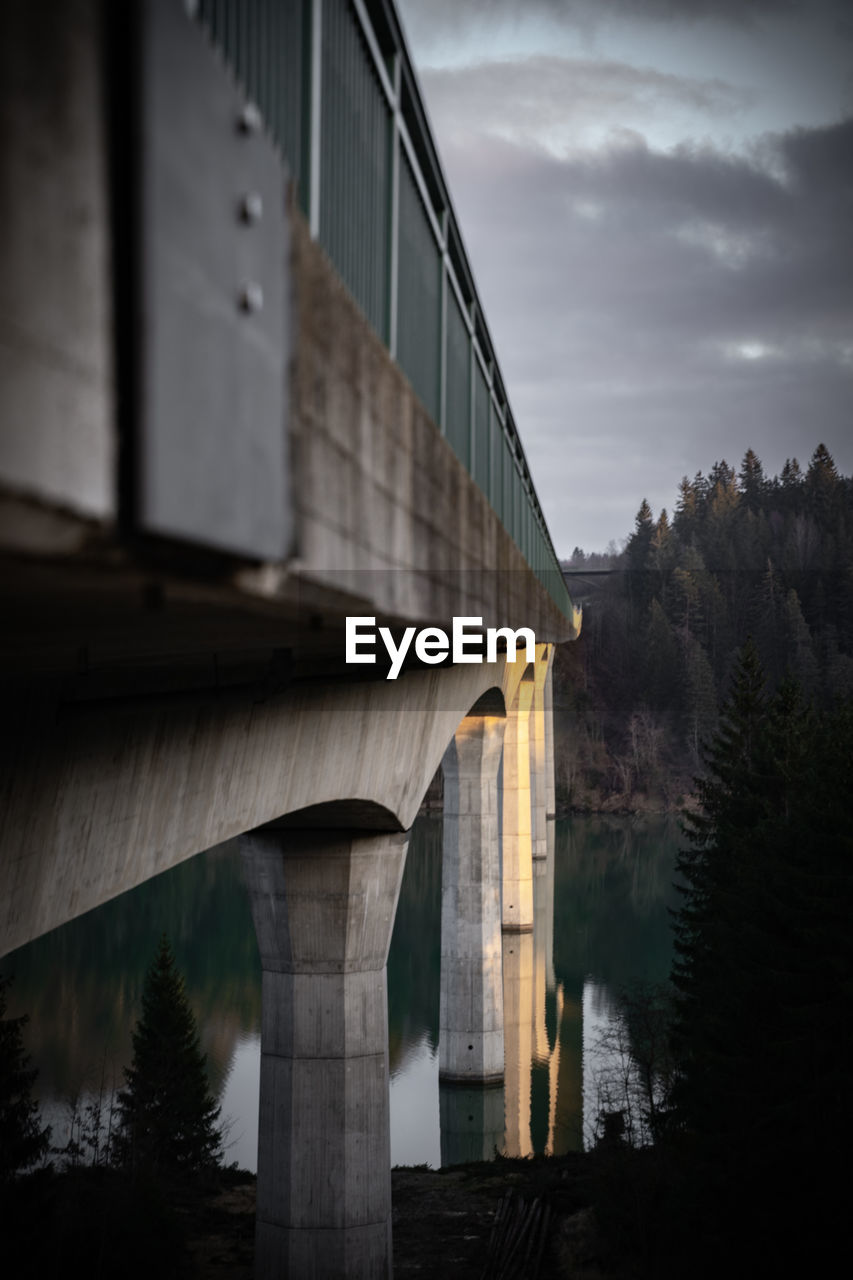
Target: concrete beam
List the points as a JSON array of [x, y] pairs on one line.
[[57, 443], [98, 797]]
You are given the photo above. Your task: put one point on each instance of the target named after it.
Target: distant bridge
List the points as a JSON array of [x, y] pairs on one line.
[[248, 390]]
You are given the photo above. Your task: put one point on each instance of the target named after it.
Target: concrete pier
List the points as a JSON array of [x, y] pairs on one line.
[[323, 903], [471, 1044], [550, 787], [517, 908], [538, 769]]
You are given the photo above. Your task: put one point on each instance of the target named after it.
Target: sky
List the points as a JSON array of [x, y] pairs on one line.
[[656, 197]]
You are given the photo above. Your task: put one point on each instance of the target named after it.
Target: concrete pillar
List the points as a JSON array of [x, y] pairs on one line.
[[538, 778], [323, 903], [551, 799], [517, 846], [471, 1043], [518, 1042]]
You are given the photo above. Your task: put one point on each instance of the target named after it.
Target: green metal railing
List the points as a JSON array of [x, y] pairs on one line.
[[336, 87]]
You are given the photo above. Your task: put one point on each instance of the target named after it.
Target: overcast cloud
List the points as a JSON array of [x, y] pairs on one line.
[[664, 288]]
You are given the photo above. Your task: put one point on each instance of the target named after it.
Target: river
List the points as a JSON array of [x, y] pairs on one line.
[[601, 922]]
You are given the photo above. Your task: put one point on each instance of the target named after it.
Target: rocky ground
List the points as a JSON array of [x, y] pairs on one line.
[[444, 1223], [516, 1219]]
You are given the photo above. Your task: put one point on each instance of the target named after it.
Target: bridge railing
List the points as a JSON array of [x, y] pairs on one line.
[[336, 87]]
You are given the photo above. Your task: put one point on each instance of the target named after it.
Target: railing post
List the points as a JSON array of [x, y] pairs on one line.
[[442, 361], [315, 98], [472, 369], [394, 221]]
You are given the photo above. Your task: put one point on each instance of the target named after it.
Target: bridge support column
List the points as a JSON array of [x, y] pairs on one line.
[[517, 846], [550, 788], [538, 771], [471, 1042], [323, 903]]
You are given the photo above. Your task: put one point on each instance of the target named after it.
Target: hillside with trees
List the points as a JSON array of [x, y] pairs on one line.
[[743, 555]]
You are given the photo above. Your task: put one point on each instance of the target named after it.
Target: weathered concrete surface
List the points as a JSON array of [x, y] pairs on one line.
[[388, 520], [57, 434], [538, 767], [96, 799], [120, 756], [323, 903], [471, 1045], [517, 907], [381, 497], [550, 789]]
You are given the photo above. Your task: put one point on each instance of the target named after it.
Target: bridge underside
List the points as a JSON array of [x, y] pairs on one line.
[[165, 691]]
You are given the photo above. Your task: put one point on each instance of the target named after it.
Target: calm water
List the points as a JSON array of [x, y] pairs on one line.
[[601, 921]]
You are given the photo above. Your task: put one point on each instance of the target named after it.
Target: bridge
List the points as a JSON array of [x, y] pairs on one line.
[[249, 393]]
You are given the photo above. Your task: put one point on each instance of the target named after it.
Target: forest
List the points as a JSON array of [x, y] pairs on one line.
[[742, 555]]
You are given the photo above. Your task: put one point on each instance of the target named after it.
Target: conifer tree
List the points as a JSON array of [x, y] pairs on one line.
[[764, 966], [22, 1139], [752, 482], [167, 1115]]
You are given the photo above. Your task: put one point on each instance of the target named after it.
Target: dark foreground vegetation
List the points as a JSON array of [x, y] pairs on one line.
[[121, 1195], [723, 1144], [744, 1175], [743, 555]]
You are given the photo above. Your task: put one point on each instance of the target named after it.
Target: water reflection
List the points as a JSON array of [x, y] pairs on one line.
[[609, 881]]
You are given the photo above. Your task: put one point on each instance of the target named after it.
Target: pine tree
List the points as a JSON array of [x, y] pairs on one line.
[[638, 554], [22, 1139], [764, 969], [167, 1115], [752, 482]]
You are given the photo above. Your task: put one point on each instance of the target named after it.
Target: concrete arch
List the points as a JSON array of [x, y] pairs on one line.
[[353, 814], [96, 804]]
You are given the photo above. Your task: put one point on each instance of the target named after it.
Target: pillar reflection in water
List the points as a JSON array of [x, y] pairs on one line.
[[542, 1033], [472, 1122], [323, 904], [547, 1001], [518, 1041]]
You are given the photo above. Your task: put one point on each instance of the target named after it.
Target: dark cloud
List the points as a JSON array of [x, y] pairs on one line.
[[427, 19], [654, 312], [530, 97]]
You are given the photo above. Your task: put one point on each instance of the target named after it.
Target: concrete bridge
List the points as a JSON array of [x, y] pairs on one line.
[[248, 392]]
